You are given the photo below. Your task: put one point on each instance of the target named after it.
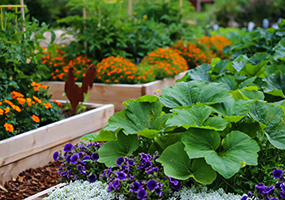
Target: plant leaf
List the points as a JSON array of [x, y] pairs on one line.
[[195, 116], [111, 151], [178, 165], [233, 110], [185, 94], [237, 149], [275, 84], [279, 50]]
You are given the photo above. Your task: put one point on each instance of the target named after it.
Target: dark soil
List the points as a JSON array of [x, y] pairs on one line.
[[30, 182]]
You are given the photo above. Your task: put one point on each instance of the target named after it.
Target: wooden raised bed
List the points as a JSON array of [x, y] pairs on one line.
[[35, 148], [115, 93]]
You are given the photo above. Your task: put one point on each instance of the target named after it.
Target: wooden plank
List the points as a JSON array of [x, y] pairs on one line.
[[40, 159], [44, 193], [37, 140], [115, 93]]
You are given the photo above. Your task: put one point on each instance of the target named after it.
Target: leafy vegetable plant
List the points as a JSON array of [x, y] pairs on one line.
[[195, 124]]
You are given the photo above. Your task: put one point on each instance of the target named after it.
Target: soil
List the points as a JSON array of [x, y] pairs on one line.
[[30, 182]]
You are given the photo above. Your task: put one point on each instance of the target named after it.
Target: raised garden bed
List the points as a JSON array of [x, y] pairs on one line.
[[115, 93], [35, 148]]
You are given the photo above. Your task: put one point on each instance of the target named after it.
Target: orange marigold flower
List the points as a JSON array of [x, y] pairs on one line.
[[44, 87], [9, 127], [7, 110], [29, 100], [36, 118], [1, 111], [58, 103], [16, 95], [37, 99], [21, 100], [8, 102], [17, 108], [47, 105]]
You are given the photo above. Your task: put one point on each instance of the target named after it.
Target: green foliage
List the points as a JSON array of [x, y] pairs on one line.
[[175, 157], [224, 132], [19, 63], [112, 150]]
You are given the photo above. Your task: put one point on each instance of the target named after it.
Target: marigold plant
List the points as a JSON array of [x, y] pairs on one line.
[[165, 62], [59, 65], [120, 70], [191, 52], [20, 113], [216, 44]]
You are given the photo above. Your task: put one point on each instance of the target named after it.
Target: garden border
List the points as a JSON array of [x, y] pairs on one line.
[[115, 93], [35, 148]]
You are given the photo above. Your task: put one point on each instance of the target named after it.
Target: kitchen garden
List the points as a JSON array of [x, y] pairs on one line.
[[218, 133]]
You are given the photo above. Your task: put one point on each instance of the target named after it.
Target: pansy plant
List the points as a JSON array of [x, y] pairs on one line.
[[79, 162], [140, 177]]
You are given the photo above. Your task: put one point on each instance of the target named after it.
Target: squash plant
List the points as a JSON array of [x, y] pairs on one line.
[[199, 128], [261, 70]]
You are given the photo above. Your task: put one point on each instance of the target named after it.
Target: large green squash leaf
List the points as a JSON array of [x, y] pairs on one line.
[[247, 93], [238, 149], [185, 94], [201, 73], [271, 120], [275, 84], [233, 110], [143, 118], [280, 50], [162, 142], [196, 116], [103, 135], [228, 81], [178, 165], [111, 151]]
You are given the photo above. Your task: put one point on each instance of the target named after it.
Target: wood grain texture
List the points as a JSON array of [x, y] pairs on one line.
[[46, 137]]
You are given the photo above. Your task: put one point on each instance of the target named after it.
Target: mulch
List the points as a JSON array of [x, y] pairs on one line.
[[30, 182]]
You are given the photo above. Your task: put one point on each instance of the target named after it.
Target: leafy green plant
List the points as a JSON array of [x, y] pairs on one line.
[[202, 123], [19, 63]]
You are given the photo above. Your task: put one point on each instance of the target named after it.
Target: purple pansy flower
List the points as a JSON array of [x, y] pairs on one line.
[[244, 197], [121, 176], [268, 190], [92, 178], [116, 184], [141, 193], [85, 160], [95, 156], [277, 173], [74, 158], [81, 169], [260, 187], [135, 186], [282, 194], [120, 160], [68, 147], [151, 185], [56, 156]]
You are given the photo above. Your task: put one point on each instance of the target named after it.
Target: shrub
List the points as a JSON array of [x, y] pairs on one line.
[[216, 44], [79, 162], [20, 113], [165, 62], [192, 54], [120, 70]]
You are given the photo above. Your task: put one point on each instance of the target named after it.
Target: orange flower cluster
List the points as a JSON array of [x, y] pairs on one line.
[[215, 43], [37, 86], [120, 70], [192, 54], [59, 65], [165, 62]]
